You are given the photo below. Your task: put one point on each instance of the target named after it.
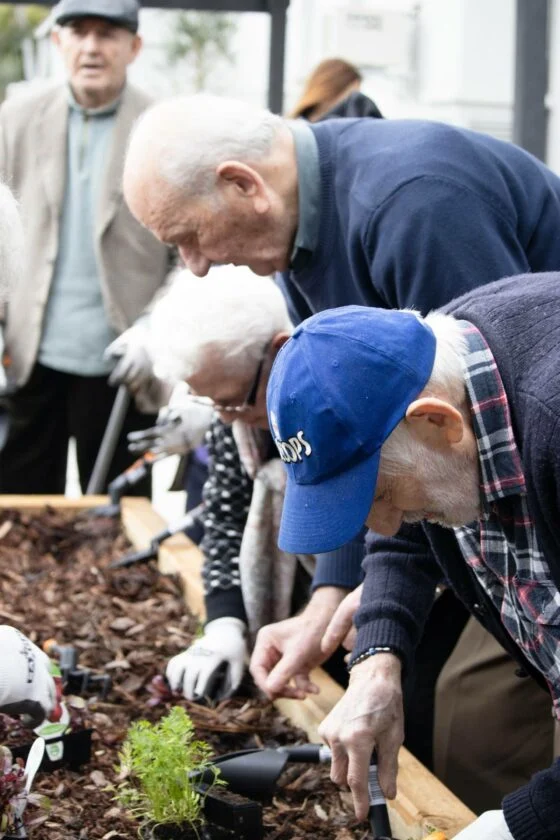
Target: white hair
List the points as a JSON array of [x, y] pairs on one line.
[[11, 243], [227, 318], [187, 137], [401, 452]]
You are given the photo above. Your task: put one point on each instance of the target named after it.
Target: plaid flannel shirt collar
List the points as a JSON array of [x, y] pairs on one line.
[[500, 463]]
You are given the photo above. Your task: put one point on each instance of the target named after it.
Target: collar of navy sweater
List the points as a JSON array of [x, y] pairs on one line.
[[498, 456], [309, 194]]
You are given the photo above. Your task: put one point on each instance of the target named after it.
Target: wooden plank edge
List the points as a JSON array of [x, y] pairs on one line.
[[36, 503], [176, 556]]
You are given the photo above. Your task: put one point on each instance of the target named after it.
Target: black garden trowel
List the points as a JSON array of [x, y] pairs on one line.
[[254, 774]]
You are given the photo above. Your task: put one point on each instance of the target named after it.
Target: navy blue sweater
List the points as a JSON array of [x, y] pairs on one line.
[[520, 319], [414, 214]]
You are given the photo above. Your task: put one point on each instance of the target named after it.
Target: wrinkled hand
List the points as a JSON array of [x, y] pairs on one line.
[[177, 431], [286, 652], [489, 826], [133, 366], [26, 685], [370, 715], [341, 630], [212, 667]]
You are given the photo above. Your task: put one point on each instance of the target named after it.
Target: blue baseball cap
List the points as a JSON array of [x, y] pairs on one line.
[[337, 390]]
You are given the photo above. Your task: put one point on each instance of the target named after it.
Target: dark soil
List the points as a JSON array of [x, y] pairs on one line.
[[54, 583]]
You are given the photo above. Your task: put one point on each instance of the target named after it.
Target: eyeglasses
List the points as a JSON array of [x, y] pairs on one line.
[[249, 401]]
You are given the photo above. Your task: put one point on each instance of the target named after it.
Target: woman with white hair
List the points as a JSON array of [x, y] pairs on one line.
[[221, 336]]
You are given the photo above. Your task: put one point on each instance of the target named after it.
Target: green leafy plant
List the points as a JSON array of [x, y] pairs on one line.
[[157, 762], [202, 39], [17, 24]]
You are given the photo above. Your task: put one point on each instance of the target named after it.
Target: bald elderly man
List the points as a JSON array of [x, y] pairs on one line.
[[442, 436], [340, 209]]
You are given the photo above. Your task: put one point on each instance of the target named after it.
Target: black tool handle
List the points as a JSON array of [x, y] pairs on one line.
[[128, 478], [135, 559], [378, 815], [307, 753], [109, 442]]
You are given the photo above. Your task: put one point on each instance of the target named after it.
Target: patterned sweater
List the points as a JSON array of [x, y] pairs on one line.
[[227, 495]]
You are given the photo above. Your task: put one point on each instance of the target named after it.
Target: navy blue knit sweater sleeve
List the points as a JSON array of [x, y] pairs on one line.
[[227, 498], [432, 240], [342, 567], [401, 575], [533, 811]]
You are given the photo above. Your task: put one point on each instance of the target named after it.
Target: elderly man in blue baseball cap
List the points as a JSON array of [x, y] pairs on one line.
[[441, 435]]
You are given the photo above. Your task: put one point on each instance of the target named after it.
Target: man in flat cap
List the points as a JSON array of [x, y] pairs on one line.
[[90, 270]]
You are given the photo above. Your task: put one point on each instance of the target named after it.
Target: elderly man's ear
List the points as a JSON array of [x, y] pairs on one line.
[[279, 340], [435, 423], [245, 182]]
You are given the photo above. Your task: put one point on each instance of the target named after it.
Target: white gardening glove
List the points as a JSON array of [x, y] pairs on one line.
[[133, 365], [26, 685], [489, 826], [212, 667], [133, 368], [178, 430]]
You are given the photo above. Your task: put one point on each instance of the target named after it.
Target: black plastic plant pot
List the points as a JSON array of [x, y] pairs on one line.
[[186, 832], [227, 815], [71, 750]]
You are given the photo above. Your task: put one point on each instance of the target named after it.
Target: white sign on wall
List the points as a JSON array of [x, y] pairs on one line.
[[369, 38]]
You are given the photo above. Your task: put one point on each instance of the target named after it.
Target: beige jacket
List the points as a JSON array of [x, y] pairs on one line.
[[133, 264]]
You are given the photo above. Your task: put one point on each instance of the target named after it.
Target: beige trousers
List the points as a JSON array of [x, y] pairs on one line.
[[493, 729]]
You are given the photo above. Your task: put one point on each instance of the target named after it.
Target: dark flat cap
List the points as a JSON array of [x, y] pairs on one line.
[[120, 12]]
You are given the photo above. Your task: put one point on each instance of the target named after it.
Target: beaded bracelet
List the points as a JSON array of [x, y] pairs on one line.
[[371, 652]]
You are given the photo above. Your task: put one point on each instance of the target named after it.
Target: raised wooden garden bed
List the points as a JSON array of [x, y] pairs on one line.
[[134, 622]]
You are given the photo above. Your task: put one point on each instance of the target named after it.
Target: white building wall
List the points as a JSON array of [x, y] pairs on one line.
[[467, 63], [451, 60]]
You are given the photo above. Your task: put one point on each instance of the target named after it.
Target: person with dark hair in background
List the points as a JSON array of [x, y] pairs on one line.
[[333, 90]]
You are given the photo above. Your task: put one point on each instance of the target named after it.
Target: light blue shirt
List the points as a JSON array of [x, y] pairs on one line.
[[76, 329]]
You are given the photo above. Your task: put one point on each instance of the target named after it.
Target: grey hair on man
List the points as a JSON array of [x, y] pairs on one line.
[[225, 129], [401, 451], [231, 316]]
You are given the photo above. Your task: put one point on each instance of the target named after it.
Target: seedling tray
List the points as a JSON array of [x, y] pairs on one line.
[[73, 749]]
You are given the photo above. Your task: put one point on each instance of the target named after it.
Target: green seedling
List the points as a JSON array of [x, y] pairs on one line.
[[157, 763]]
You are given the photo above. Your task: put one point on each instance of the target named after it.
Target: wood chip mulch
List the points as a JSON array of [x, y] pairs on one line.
[[54, 583]]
